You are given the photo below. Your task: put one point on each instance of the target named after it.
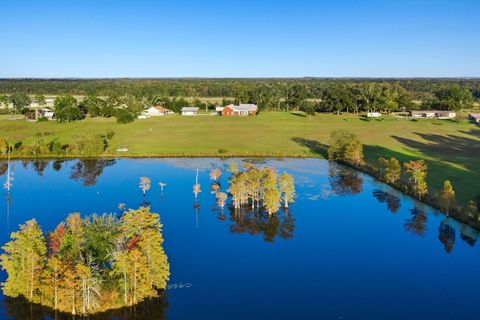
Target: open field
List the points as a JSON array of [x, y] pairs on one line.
[[452, 149]]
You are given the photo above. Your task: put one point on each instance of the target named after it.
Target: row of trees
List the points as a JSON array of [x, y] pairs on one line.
[[346, 148], [310, 96], [84, 144], [419, 89], [88, 265]]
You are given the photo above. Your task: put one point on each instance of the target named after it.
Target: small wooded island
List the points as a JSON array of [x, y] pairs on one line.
[[89, 265]]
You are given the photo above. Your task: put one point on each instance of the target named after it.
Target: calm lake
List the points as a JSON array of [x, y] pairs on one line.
[[348, 248]]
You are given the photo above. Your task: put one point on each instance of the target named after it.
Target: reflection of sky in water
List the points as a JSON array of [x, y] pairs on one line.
[[349, 246]]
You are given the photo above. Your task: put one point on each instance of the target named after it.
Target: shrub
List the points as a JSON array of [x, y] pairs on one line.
[[87, 144], [42, 119], [110, 133], [124, 116]]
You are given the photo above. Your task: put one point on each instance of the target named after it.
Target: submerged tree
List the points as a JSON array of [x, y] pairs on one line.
[[196, 186], [145, 184], [259, 187], [287, 188], [215, 174], [221, 199]]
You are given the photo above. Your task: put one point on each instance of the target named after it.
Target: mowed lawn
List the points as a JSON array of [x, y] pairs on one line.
[[452, 149]]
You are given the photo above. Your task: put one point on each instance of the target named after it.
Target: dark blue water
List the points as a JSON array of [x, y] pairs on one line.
[[348, 248]]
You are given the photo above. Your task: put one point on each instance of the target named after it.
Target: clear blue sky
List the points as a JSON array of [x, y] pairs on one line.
[[269, 38]]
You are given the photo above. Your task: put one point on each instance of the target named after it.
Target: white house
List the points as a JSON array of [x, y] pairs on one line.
[[156, 111], [444, 115], [374, 115], [189, 111]]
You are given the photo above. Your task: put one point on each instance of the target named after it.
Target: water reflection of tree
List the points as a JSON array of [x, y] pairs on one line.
[[3, 167], [417, 224], [393, 202], [446, 235], [39, 166], [344, 181], [259, 222], [153, 309], [88, 170]]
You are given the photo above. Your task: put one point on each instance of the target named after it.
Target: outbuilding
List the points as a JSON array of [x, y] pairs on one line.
[[189, 111]]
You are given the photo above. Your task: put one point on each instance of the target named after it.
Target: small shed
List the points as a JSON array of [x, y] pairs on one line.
[[189, 111]]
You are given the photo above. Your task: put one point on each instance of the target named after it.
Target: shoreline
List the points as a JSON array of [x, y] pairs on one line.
[[365, 169]]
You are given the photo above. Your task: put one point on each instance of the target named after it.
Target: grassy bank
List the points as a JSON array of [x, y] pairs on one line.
[[451, 149]]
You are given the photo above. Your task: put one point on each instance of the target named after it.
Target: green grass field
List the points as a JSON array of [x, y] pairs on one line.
[[452, 149]]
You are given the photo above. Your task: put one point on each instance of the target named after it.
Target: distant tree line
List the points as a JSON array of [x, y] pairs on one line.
[[329, 95]]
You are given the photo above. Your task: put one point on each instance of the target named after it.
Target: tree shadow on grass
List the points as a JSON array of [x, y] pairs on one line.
[[315, 147], [298, 114]]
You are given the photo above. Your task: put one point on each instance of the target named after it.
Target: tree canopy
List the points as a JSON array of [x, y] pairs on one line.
[[88, 265]]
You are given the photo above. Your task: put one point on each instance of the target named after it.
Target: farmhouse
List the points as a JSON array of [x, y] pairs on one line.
[[475, 117], [189, 111], [374, 115], [156, 111], [432, 114], [240, 110]]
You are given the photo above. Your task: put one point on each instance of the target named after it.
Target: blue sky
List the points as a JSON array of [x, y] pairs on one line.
[[270, 38]]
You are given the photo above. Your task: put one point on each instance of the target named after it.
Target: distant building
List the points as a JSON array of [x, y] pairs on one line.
[[189, 111], [156, 111], [240, 110], [434, 114], [219, 109], [475, 117], [374, 115], [47, 113]]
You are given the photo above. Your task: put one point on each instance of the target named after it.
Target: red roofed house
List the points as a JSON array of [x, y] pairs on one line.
[[240, 110]]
